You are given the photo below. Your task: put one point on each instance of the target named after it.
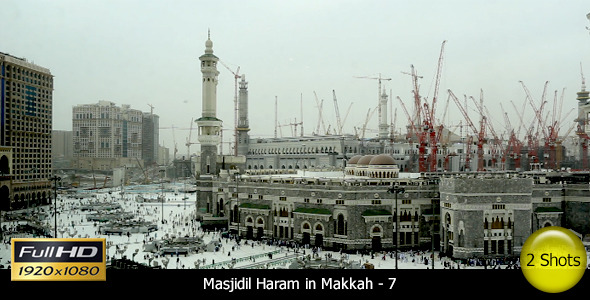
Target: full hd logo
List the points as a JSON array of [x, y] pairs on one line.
[[58, 259]]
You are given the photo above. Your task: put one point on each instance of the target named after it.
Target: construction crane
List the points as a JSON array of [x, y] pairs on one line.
[[429, 111], [320, 116], [364, 128], [410, 132], [346, 116], [533, 142], [416, 92], [338, 120], [188, 141], [496, 146], [379, 80], [515, 144], [173, 139], [424, 117], [236, 77], [479, 132]]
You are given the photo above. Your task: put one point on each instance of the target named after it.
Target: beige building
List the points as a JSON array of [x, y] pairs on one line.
[[106, 136], [26, 91]]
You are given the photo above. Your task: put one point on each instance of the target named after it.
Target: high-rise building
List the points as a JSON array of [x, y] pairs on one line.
[[26, 100], [106, 136], [150, 137]]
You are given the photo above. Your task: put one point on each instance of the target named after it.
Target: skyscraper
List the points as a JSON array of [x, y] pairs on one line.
[[26, 101], [150, 138]]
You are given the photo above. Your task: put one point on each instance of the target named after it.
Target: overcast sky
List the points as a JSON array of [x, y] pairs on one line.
[[141, 52]]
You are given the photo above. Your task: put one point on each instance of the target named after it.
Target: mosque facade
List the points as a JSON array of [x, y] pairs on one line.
[[343, 193]]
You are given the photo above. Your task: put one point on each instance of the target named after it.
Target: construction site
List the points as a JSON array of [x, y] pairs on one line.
[[553, 140]]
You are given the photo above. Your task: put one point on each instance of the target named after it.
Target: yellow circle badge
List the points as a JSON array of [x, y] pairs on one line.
[[553, 259]]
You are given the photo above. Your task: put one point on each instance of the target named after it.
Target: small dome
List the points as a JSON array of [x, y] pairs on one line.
[[382, 159], [354, 160], [208, 46], [365, 160]]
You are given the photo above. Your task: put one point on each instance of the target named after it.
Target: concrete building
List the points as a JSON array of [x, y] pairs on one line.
[[62, 148], [163, 156], [26, 107], [106, 136], [150, 138]]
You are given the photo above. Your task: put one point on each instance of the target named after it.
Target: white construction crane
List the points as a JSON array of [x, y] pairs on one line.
[[320, 117], [338, 121], [188, 141], [379, 79], [173, 138], [236, 77]]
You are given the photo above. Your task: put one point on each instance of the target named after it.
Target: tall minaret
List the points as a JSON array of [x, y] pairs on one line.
[[383, 125], [243, 126], [209, 125]]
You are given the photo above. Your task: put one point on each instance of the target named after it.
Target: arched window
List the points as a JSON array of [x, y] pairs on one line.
[[319, 227], [497, 224]]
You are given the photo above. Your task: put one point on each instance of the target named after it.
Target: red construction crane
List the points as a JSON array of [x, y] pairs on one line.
[[496, 146], [416, 120], [534, 140], [515, 144], [429, 113], [410, 133], [480, 133], [424, 116]]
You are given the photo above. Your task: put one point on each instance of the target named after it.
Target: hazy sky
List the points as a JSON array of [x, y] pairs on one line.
[[141, 52]]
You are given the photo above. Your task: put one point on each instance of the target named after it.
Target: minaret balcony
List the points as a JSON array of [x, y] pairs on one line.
[[209, 139], [208, 122]]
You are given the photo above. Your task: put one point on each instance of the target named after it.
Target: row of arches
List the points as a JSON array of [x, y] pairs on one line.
[[284, 167], [497, 223], [293, 150], [22, 200]]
